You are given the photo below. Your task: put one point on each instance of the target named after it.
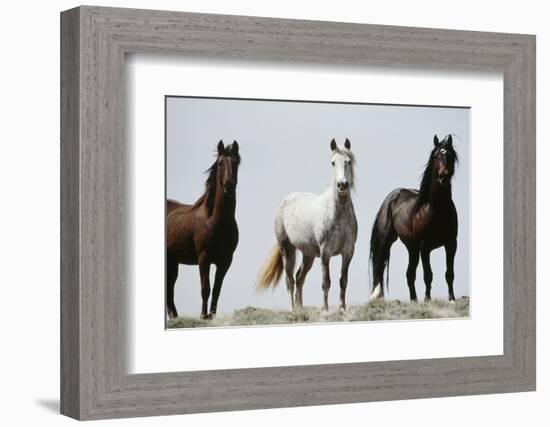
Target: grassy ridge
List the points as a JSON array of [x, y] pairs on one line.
[[376, 310]]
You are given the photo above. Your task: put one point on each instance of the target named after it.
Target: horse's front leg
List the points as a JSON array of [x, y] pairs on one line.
[[204, 269], [346, 260], [325, 260], [428, 274], [450, 251], [221, 270]]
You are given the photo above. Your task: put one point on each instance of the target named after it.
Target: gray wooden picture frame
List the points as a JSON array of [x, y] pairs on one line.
[[94, 41]]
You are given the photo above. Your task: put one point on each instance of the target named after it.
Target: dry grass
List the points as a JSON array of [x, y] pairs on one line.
[[376, 310]]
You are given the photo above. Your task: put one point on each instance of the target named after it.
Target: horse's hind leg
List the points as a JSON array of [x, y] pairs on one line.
[[450, 251], [411, 271], [428, 275], [307, 262], [171, 276], [288, 253]]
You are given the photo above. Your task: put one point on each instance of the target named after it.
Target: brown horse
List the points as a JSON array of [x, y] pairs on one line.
[[206, 232], [423, 220]]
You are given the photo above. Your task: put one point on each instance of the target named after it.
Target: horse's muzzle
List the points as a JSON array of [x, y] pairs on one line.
[[229, 188], [443, 179], [343, 187]]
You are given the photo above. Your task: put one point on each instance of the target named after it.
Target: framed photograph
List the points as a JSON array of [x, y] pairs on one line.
[[281, 213], [227, 224]]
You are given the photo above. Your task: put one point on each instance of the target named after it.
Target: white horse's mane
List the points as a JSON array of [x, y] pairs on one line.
[[345, 152]]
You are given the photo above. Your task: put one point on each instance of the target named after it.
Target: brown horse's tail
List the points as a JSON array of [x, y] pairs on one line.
[[271, 271]]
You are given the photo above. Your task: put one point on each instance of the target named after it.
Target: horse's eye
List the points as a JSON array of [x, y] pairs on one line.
[[332, 163]]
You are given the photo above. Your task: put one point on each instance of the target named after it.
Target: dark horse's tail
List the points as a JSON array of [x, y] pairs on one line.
[[382, 237]]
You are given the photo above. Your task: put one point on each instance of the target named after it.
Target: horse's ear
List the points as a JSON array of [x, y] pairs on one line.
[[436, 140], [449, 139], [333, 145], [235, 147], [221, 147], [347, 144]]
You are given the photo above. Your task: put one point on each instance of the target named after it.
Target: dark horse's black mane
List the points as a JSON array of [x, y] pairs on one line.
[[427, 176], [210, 183]]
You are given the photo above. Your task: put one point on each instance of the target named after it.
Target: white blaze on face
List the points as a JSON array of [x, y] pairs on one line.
[[342, 172]]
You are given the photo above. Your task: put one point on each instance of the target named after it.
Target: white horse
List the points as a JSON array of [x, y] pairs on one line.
[[319, 226]]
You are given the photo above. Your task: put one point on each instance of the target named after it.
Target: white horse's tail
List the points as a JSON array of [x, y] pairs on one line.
[[271, 271]]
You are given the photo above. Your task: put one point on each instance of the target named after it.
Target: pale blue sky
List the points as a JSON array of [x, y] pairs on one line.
[[285, 148]]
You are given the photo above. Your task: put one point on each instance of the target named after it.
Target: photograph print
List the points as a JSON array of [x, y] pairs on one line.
[[300, 212]]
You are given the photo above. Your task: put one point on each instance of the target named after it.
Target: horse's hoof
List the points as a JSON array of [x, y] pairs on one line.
[[452, 301], [206, 316], [212, 315], [376, 293]]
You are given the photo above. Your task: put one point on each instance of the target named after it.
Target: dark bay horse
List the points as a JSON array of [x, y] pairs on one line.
[[423, 220], [206, 232]]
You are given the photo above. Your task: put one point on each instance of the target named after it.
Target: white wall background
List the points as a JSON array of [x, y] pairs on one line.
[[29, 218]]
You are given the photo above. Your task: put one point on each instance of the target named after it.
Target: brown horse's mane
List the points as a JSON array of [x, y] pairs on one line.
[[209, 195], [427, 176]]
